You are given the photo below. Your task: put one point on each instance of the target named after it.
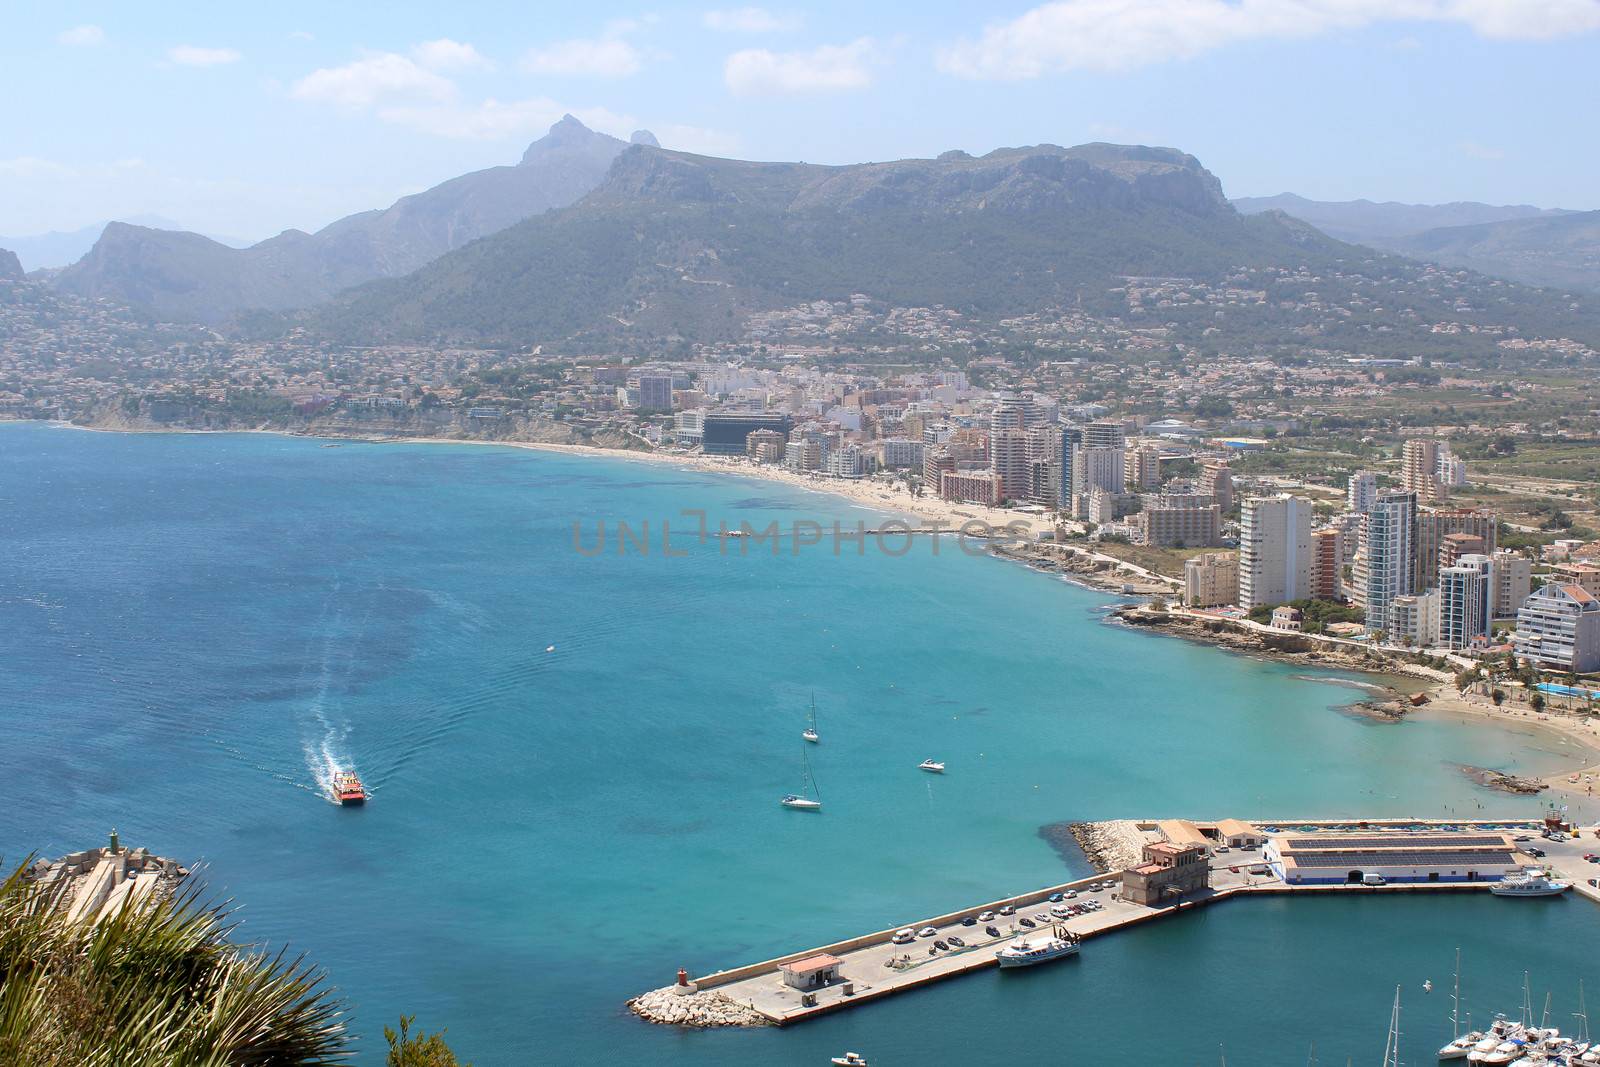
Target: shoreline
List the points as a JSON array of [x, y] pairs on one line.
[[1097, 572]]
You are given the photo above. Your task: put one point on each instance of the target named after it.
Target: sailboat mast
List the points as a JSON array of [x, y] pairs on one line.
[[811, 781], [1391, 1048], [1545, 1021], [1583, 1016], [1455, 1001]]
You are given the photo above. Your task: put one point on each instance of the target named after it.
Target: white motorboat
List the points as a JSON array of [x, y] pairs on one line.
[[932, 766], [1024, 953], [1532, 882], [850, 1059]]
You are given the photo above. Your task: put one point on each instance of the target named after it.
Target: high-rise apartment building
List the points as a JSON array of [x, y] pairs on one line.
[[1558, 627], [1362, 491], [655, 392], [1211, 580], [1274, 550], [1464, 595], [1419, 469], [1385, 561], [1434, 525], [1008, 455], [1513, 581], [1327, 563]]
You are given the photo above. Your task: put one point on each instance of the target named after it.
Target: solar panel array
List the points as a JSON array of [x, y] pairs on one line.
[[1478, 861], [1397, 841]]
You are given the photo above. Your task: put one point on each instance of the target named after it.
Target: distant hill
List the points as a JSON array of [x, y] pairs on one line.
[[1561, 251], [679, 245], [184, 276], [10, 265], [61, 247], [1380, 224]]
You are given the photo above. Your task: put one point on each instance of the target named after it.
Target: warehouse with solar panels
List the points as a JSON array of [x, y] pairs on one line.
[[1349, 859]]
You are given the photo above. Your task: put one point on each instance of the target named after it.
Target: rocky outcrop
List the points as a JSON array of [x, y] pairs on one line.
[[10, 266], [1506, 783], [1110, 846], [668, 1007]]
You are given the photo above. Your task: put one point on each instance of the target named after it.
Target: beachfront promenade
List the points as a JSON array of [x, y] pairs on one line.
[[872, 966]]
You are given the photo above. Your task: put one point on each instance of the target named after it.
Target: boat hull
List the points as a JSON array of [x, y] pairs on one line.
[[1033, 960]]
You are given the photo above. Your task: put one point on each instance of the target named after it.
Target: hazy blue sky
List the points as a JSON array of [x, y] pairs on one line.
[[246, 119]]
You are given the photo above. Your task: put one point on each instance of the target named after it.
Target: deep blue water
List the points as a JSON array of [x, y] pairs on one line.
[[194, 629]]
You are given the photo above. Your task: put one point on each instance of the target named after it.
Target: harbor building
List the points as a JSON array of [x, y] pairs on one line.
[[1377, 857], [1169, 871], [1211, 580], [1558, 627], [1236, 833], [1513, 581], [1464, 601], [1362, 492], [1274, 550], [724, 433], [1385, 561], [813, 972]]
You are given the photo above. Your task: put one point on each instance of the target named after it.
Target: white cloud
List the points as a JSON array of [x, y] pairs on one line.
[[598, 57], [831, 68], [749, 20], [1109, 35], [186, 55], [83, 36], [372, 80], [445, 54]]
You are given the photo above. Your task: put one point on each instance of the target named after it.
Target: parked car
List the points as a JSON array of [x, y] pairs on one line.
[[1223, 848], [1533, 850], [1055, 898], [956, 941], [927, 931], [1025, 921], [941, 946], [992, 931], [1072, 894], [969, 921], [986, 917], [1061, 911], [1008, 910], [904, 937], [1373, 879]]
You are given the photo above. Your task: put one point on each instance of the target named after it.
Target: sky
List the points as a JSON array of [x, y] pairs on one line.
[[244, 120]]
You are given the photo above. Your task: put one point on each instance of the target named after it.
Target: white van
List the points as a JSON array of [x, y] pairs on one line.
[[1061, 911], [1373, 879]]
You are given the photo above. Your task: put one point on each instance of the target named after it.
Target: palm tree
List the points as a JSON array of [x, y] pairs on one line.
[[152, 983]]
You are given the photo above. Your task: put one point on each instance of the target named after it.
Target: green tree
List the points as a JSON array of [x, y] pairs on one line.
[[152, 984], [423, 1050], [1536, 702]]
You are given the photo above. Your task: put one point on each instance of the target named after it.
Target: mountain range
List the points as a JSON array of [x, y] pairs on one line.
[[678, 245], [186, 276], [1535, 246], [58, 248]]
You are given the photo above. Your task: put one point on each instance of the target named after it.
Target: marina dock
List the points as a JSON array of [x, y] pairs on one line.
[[863, 969]]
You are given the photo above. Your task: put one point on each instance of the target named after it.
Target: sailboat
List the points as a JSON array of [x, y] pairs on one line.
[[805, 801], [1460, 1044], [810, 732], [1391, 1048]]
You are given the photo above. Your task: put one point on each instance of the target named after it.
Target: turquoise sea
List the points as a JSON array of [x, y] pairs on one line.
[[195, 628]]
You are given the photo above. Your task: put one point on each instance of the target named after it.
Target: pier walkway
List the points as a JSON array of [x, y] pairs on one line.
[[872, 966]]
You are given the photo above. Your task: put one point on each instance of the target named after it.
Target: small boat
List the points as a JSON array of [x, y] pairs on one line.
[[810, 732], [1025, 953], [549, 648], [1532, 882], [1427, 985], [850, 1059], [804, 801], [932, 766], [347, 789]]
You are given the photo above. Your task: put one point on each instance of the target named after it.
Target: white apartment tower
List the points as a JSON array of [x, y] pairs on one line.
[[1363, 492], [1274, 550], [1384, 561]]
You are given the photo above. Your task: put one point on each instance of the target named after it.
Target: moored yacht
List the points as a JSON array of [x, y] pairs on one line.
[[1532, 882], [1024, 953], [932, 766]]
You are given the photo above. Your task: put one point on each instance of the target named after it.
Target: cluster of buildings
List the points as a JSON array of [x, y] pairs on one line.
[[1420, 572]]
